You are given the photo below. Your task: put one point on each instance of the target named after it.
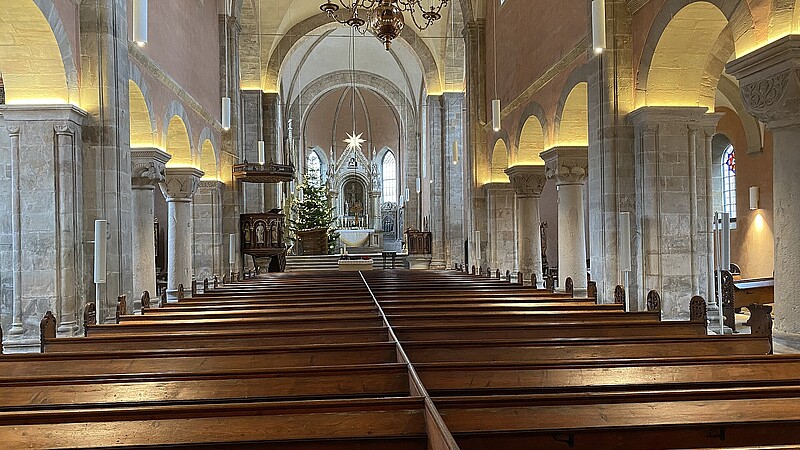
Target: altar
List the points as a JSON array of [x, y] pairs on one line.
[[355, 238]]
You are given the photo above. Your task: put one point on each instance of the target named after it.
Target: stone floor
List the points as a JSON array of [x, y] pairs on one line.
[[744, 329]]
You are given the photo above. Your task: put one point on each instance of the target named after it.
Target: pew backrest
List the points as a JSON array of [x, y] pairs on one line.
[[653, 301], [47, 328], [122, 307], [698, 309], [89, 317]]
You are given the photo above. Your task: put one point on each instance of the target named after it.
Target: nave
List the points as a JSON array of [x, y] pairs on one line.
[[399, 360]]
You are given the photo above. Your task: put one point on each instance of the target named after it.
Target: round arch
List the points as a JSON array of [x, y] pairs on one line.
[[320, 23], [178, 143], [38, 66], [207, 161], [531, 136], [572, 123], [142, 118], [499, 162], [675, 68], [176, 108]]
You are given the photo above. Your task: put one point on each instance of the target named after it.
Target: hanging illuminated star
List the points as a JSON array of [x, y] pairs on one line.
[[354, 141]]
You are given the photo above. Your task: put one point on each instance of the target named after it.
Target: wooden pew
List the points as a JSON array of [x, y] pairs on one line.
[[215, 339], [199, 360], [51, 391], [386, 423]]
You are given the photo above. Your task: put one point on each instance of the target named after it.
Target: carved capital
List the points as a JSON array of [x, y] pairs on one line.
[[567, 165], [527, 181], [181, 183], [64, 129], [769, 79], [765, 98], [148, 167]]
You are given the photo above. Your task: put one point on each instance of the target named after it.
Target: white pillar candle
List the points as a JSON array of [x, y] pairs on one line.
[[262, 159], [140, 22]]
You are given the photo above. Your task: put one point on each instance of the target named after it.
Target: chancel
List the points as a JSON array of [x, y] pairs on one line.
[[399, 224]]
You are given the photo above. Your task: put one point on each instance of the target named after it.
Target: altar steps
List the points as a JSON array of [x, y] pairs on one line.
[[327, 262], [309, 263]]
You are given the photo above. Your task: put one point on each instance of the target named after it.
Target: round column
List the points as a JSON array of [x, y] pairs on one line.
[[569, 166], [180, 186], [528, 182], [770, 85], [147, 170]]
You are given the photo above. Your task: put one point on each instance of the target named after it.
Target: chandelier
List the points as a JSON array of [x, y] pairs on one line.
[[384, 18]]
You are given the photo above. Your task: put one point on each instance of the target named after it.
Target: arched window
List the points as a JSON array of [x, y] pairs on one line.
[[729, 181], [314, 169], [389, 178]]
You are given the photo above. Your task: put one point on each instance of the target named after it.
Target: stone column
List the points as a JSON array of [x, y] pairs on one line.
[[106, 146], [671, 215], [180, 186], [475, 154], [208, 238], [375, 210], [770, 82], [47, 219], [147, 171], [271, 116], [611, 185], [528, 182], [501, 235], [569, 167]]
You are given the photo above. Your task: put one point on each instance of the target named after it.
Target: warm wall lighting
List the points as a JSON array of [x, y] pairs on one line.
[[599, 26], [140, 22], [754, 194]]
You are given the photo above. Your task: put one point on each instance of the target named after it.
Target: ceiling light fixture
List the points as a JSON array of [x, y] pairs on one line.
[[384, 18]]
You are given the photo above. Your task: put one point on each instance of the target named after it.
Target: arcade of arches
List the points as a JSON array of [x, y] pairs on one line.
[[692, 104]]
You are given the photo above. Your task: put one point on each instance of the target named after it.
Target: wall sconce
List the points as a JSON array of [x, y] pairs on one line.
[[754, 194]]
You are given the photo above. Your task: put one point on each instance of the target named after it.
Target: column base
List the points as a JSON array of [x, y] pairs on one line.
[[11, 346], [791, 340], [419, 262], [438, 264], [67, 329]]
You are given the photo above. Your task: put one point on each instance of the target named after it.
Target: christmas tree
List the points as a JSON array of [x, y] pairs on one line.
[[312, 210]]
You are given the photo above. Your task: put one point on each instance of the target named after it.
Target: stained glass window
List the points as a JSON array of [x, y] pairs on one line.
[[389, 178], [314, 168], [729, 181]]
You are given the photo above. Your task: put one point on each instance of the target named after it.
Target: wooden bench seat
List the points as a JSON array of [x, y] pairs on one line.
[[409, 318], [577, 349], [200, 360], [215, 339], [699, 418], [288, 312], [344, 424], [482, 330], [629, 373], [256, 323], [178, 313], [25, 393]]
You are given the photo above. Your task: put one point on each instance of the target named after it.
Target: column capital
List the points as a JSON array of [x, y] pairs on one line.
[[147, 167], [181, 183], [567, 165], [769, 79], [527, 181]]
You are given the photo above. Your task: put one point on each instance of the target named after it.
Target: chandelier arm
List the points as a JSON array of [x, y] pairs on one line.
[[414, 19]]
